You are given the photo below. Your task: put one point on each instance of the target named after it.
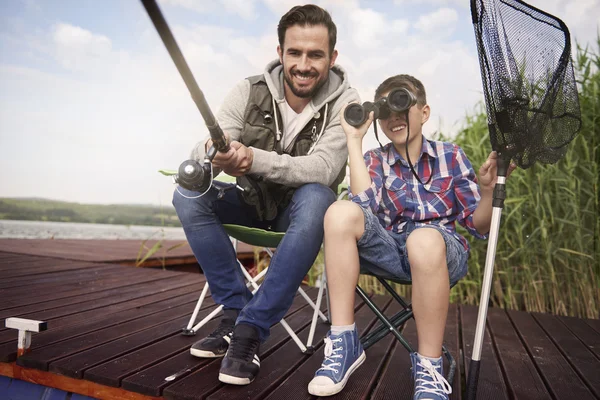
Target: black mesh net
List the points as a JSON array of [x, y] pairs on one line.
[[528, 80]]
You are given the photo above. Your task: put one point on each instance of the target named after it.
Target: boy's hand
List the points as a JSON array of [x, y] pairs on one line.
[[355, 133], [488, 173]]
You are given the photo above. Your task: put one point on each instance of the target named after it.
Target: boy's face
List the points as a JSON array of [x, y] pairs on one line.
[[395, 126], [305, 58]]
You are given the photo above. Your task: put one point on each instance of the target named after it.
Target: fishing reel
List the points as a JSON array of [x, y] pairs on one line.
[[398, 100], [194, 176]]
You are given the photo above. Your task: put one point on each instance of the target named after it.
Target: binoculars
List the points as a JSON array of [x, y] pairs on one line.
[[397, 100]]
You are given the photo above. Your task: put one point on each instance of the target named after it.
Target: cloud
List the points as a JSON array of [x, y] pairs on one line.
[[424, 3], [102, 115], [77, 48], [243, 8], [441, 22]]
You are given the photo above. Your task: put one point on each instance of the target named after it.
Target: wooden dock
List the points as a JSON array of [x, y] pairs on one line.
[[114, 333]]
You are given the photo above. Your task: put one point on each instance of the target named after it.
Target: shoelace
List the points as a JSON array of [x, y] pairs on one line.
[[243, 348], [224, 329], [431, 381], [331, 354]]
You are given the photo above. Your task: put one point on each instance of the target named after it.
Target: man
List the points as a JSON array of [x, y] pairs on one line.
[[288, 151]]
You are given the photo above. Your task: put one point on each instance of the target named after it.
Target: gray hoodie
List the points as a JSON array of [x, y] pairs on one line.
[[329, 154]]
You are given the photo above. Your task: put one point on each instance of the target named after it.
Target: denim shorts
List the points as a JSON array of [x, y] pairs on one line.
[[383, 253]]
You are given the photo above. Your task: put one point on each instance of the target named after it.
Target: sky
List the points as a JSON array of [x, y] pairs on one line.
[[92, 106]]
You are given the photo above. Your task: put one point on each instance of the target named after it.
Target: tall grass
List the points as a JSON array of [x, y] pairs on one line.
[[548, 253]]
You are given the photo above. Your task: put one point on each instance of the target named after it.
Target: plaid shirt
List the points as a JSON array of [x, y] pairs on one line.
[[396, 197]]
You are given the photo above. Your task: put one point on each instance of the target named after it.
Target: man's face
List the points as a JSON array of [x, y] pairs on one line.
[[306, 59]]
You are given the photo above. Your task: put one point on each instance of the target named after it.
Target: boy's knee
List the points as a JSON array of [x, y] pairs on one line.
[[426, 247], [344, 216]]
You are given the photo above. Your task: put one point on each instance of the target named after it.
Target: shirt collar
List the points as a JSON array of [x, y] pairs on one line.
[[392, 155]]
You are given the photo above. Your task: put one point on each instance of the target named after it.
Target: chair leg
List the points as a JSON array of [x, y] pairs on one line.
[[317, 308], [188, 331], [368, 343]]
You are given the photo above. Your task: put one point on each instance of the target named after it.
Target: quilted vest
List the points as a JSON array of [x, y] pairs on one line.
[[260, 131]]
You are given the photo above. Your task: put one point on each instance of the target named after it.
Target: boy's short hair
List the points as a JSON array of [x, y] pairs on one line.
[[403, 81], [311, 15]]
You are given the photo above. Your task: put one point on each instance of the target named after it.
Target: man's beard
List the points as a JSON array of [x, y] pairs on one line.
[[302, 93]]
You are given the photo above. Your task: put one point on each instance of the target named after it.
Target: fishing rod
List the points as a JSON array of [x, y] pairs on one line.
[[191, 174]]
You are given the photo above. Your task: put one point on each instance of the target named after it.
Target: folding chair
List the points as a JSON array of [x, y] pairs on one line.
[[267, 240]]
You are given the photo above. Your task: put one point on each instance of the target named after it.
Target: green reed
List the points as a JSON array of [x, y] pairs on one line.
[[548, 252]]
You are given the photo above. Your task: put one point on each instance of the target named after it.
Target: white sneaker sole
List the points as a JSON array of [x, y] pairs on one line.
[[204, 354], [320, 390], [233, 380]]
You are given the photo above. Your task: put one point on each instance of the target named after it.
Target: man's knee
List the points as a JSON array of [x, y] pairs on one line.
[[344, 217], [426, 248], [187, 208]]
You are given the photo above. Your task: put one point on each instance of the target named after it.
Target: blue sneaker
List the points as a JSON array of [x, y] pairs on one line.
[[430, 383], [343, 354]]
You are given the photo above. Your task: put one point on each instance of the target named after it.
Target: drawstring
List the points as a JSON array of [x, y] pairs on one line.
[[277, 131], [322, 130]]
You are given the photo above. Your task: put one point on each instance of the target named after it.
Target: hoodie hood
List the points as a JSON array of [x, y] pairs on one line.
[[336, 84]]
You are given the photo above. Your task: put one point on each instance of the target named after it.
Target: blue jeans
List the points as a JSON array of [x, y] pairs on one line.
[[302, 222]]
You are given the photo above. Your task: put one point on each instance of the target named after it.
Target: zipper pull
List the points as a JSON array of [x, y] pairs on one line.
[[313, 132]]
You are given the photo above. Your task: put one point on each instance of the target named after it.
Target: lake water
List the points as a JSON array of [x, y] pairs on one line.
[[73, 230]]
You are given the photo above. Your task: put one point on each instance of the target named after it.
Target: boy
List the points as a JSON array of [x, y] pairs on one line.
[[400, 222]]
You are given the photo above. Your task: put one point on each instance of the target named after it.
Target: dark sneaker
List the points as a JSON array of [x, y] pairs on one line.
[[241, 363], [430, 383], [343, 355], [216, 344]]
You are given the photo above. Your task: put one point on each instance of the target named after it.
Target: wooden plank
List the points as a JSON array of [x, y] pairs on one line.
[[559, 376], [491, 382], [295, 384], [99, 250], [23, 262], [129, 284], [74, 325], [151, 381], [46, 265], [580, 357], [113, 372], [132, 292], [523, 379], [588, 336], [594, 323], [95, 282], [9, 284], [42, 268], [452, 343], [167, 324], [42, 357]]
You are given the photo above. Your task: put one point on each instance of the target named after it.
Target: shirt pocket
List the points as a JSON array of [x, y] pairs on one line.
[[439, 196], [396, 196]]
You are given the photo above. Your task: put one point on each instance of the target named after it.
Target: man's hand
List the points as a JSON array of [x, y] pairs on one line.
[[488, 173], [236, 161]]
